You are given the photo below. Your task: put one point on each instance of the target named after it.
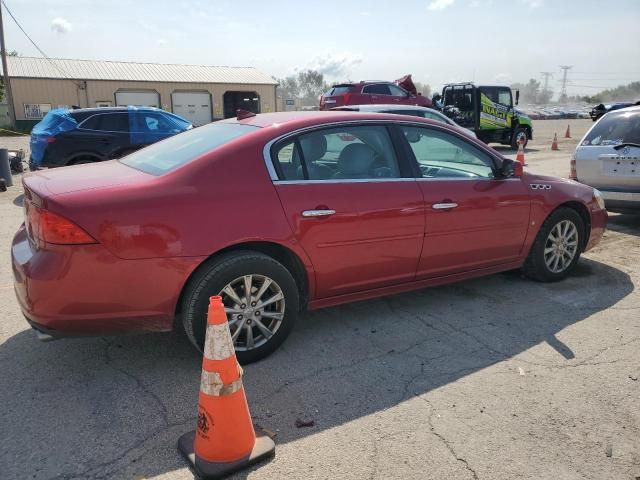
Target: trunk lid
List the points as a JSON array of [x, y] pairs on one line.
[[407, 84], [94, 176], [606, 168]]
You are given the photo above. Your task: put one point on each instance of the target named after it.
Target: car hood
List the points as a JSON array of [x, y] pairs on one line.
[[406, 83], [92, 176]]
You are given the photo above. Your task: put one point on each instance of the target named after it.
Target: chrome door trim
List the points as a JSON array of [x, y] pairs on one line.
[[266, 151]]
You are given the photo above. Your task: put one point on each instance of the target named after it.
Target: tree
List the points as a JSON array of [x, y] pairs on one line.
[[306, 86]]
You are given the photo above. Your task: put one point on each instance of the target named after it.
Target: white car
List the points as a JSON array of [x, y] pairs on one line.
[[413, 110], [608, 159]]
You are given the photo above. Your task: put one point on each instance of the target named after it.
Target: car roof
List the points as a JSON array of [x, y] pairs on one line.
[[361, 82], [378, 107], [304, 119], [111, 109]]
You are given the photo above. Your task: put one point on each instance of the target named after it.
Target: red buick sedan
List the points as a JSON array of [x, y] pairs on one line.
[[281, 212]]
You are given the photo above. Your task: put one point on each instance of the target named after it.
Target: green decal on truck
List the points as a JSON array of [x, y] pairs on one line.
[[494, 115]]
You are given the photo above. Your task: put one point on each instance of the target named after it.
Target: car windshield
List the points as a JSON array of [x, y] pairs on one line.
[[165, 156], [179, 121], [615, 128]]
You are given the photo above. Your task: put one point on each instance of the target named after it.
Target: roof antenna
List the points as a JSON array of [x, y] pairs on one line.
[[242, 114]]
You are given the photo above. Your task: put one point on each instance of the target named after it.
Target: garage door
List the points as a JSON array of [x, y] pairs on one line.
[[138, 99], [194, 106]]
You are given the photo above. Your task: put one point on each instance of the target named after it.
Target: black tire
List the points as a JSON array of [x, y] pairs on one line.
[[83, 161], [215, 275], [518, 133], [535, 266]]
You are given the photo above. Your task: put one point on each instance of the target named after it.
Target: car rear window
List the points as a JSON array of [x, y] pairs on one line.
[[615, 128], [339, 90], [165, 156]]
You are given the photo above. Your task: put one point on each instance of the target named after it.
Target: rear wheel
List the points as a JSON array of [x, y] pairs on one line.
[[519, 135], [260, 299], [557, 247]]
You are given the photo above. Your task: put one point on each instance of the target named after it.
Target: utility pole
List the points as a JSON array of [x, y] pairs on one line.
[[546, 76], [565, 69], [7, 83]]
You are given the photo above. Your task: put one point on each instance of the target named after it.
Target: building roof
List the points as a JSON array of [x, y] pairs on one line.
[[60, 68]]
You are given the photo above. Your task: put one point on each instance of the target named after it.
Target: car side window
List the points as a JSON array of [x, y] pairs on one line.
[[91, 123], [441, 155], [377, 89], [341, 153], [113, 122], [397, 91]]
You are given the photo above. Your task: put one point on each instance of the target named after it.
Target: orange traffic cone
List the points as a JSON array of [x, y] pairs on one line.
[[520, 155], [554, 144], [225, 440], [568, 132]]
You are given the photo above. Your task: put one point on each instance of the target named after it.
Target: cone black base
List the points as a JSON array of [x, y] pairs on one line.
[[264, 448]]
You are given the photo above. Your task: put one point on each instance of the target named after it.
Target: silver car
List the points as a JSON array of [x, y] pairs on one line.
[[413, 110], [608, 159]]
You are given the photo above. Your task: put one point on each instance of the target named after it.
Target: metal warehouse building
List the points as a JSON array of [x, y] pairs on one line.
[[200, 93]]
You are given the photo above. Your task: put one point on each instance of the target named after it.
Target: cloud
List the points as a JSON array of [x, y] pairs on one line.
[[439, 4], [162, 41], [503, 78], [532, 3], [60, 25], [334, 64], [366, 13]]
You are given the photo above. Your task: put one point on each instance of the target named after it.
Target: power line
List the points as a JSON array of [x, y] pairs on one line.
[[65, 74]]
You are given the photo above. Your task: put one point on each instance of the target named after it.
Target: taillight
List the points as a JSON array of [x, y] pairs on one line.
[[51, 140], [52, 228], [345, 98], [573, 175]]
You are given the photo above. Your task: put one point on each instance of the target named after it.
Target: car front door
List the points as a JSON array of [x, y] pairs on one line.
[[353, 207], [401, 96], [473, 220]]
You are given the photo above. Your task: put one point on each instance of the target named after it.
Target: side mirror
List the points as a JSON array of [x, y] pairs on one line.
[[511, 169], [517, 96]]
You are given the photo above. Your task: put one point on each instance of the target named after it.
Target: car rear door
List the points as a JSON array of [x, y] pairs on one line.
[[351, 205], [472, 220], [378, 93]]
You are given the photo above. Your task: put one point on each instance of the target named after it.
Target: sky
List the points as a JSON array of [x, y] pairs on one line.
[[438, 41]]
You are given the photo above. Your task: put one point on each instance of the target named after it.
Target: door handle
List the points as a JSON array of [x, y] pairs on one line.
[[444, 206], [318, 213]]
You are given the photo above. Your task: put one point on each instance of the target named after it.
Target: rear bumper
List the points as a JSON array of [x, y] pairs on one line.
[[85, 290], [621, 200]]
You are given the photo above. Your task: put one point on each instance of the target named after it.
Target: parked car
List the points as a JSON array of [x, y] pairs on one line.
[[608, 158], [601, 109], [281, 212], [400, 92], [87, 135], [412, 110]]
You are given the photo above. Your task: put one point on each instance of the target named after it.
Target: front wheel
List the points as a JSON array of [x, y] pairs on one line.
[[260, 297], [557, 247], [519, 136]]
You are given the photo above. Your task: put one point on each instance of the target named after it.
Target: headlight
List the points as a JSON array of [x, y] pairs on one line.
[[598, 198]]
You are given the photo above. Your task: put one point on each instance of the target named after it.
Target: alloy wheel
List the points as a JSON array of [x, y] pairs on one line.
[[255, 308], [561, 246]]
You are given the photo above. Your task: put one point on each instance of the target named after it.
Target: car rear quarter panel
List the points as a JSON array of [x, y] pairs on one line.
[[224, 198]]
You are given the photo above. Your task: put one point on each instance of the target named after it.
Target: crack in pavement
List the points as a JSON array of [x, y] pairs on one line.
[[446, 442]]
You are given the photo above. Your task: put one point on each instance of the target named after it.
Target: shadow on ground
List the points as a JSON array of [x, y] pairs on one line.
[[115, 407], [628, 223]]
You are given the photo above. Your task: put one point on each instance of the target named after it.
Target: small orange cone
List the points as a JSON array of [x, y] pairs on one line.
[[520, 155], [554, 144], [568, 132], [225, 440]]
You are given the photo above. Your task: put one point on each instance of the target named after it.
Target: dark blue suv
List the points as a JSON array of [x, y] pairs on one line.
[[86, 135]]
